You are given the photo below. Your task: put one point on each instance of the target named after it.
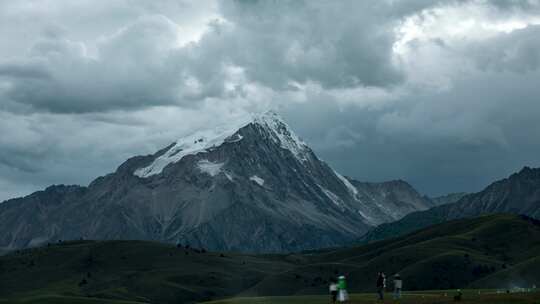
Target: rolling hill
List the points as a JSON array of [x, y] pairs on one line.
[[495, 251]]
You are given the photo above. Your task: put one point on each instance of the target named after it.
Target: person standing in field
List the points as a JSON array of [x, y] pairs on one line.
[[343, 296], [333, 290], [381, 284], [398, 284]]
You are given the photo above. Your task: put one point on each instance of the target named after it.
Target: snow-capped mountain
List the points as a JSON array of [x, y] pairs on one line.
[[252, 185]]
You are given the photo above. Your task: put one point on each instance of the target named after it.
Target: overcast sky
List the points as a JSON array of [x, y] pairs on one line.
[[443, 94]]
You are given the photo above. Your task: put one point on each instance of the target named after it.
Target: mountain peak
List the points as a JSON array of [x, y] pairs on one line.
[[526, 172], [203, 140], [281, 133]]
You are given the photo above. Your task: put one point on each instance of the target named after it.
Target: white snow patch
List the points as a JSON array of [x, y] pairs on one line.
[[352, 189], [229, 176], [203, 141], [257, 179], [198, 142], [209, 167], [393, 213], [368, 219], [333, 197], [37, 241], [282, 134], [238, 138]]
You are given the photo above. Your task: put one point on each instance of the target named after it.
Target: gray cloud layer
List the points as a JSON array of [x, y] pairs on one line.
[[441, 93]]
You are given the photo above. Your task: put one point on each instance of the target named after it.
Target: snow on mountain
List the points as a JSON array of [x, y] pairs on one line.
[[257, 180], [352, 189], [282, 134], [205, 140], [335, 199], [198, 142], [209, 167]]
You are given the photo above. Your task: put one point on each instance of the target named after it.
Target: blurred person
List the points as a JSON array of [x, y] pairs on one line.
[[343, 296], [333, 288], [381, 284], [398, 285]]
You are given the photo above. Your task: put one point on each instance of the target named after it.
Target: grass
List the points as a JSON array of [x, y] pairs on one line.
[[57, 299], [418, 297]]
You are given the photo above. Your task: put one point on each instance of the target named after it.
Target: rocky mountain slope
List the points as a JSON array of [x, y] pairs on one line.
[[496, 251], [252, 185], [448, 198], [518, 194]]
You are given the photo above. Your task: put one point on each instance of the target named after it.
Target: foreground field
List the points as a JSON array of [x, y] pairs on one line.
[[427, 297], [420, 297], [55, 299], [497, 251]]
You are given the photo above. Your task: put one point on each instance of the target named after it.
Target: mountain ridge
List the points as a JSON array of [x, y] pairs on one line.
[[519, 193], [448, 198]]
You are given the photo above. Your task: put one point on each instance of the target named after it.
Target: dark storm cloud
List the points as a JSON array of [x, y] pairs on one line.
[[340, 44], [133, 70], [439, 93], [476, 121], [140, 63], [471, 136], [518, 52], [299, 41], [515, 4], [15, 70]]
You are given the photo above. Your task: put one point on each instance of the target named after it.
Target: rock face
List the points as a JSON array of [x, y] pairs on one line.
[[448, 199], [250, 186], [396, 198], [517, 194]]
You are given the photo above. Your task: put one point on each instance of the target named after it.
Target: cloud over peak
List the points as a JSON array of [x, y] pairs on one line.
[[359, 80]]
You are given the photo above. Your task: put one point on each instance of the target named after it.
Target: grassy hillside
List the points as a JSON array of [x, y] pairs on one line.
[[446, 256], [131, 270], [407, 224], [59, 299], [497, 251]]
